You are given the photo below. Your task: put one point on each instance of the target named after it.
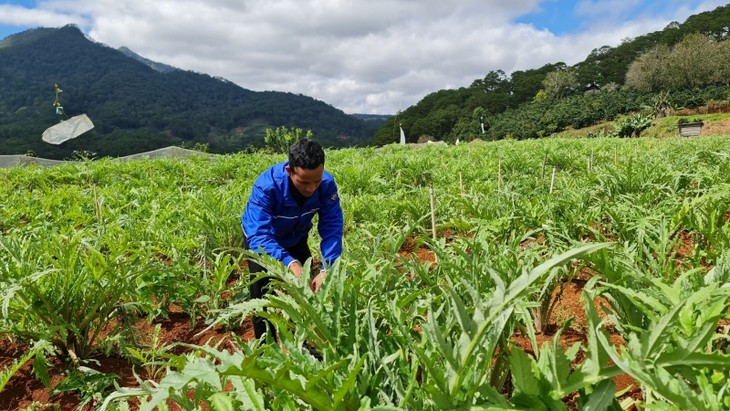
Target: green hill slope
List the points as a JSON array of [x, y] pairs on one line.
[[507, 103]]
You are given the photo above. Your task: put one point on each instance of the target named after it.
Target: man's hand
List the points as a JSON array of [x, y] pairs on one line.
[[316, 284], [296, 268]]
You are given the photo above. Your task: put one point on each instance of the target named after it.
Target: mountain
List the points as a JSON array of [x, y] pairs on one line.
[[161, 67], [375, 120], [138, 105]]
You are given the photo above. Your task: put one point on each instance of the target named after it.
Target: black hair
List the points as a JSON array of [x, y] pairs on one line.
[[306, 154]]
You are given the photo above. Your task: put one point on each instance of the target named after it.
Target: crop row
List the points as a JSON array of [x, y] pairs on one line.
[[85, 247]]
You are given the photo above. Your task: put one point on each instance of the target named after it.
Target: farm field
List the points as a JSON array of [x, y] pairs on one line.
[[554, 274]]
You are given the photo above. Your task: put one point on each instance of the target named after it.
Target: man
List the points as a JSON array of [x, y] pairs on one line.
[[279, 212]]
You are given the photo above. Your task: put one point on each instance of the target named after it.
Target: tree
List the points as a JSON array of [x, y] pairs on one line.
[[693, 61], [280, 139], [495, 81], [593, 69], [696, 61], [722, 75], [560, 83], [525, 84], [648, 72]]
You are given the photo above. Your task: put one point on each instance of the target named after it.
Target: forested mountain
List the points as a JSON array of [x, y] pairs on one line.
[[136, 107], [523, 106]]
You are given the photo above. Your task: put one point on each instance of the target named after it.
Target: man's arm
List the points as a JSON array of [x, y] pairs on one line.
[[331, 229], [257, 226], [331, 226]]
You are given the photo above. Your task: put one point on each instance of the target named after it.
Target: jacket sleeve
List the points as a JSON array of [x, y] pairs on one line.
[[330, 226], [257, 226]]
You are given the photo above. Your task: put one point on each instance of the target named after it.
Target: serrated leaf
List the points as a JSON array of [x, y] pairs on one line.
[[602, 398], [522, 377], [221, 402], [40, 369]]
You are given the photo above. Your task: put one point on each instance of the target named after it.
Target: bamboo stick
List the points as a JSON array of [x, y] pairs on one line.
[[552, 180], [499, 176], [433, 212]]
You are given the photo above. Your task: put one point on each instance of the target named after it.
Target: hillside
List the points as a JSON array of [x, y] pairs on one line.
[[136, 106], [508, 105]]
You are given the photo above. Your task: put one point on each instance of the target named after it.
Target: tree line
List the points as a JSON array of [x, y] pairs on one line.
[[686, 63]]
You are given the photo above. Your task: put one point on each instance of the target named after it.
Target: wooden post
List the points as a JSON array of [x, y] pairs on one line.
[[433, 212], [97, 204], [544, 164]]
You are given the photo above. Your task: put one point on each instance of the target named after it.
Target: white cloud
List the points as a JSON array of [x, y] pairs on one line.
[[373, 56], [21, 16]]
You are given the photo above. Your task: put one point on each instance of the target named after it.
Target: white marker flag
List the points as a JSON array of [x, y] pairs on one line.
[[68, 129]]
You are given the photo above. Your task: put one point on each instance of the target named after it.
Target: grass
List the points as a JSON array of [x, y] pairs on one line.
[[661, 128]]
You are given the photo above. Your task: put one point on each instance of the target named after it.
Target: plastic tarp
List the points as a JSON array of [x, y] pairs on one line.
[[21, 160], [68, 129], [166, 152]]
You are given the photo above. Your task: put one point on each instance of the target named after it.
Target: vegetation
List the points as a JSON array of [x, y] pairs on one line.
[[684, 63], [697, 61], [136, 108], [280, 139], [645, 220], [91, 249], [138, 105]]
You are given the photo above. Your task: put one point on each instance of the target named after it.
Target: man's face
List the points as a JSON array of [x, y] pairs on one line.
[[305, 180]]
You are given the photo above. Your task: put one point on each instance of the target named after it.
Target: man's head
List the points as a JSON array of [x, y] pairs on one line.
[[306, 166]]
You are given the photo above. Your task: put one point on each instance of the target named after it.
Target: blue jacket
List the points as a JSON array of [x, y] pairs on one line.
[[273, 221]]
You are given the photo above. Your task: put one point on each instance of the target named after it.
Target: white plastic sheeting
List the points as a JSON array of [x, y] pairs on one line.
[[68, 129], [22, 160], [167, 152]]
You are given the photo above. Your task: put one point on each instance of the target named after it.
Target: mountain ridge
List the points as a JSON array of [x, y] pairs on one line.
[[157, 66], [137, 108]]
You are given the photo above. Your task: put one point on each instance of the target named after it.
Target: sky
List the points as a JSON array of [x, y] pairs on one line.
[[361, 56]]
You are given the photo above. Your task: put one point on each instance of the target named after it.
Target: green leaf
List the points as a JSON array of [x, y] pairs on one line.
[[522, 377], [40, 369], [348, 384], [529, 402], [602, 398], [221, 402]]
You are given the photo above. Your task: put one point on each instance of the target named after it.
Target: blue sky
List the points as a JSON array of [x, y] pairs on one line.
[[365, 56], [558, 17], [7, 28], [569, 17]]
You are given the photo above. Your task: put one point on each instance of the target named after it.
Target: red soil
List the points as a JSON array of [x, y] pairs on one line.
[[24, 389]]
